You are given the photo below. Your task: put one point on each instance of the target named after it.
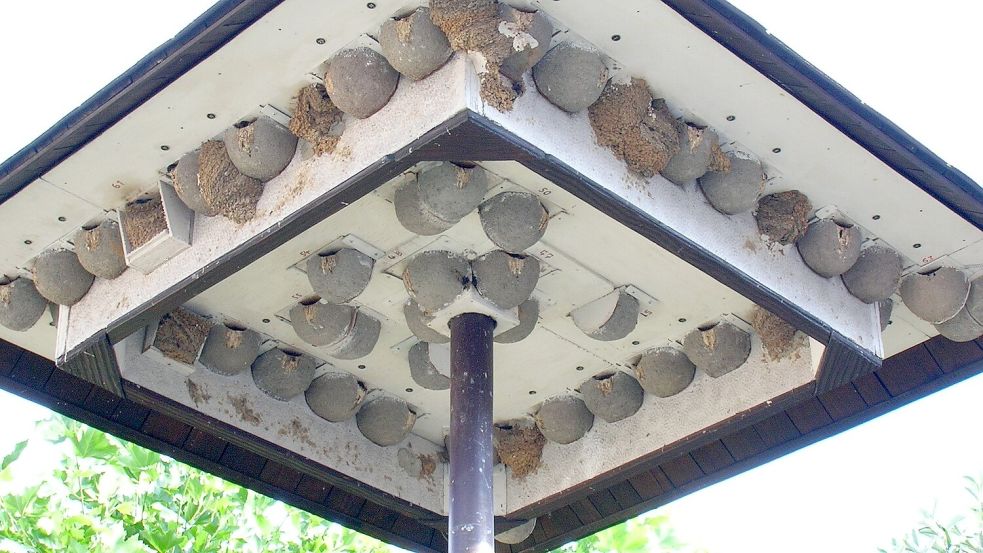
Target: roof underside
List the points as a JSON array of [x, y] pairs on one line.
[[610, 233]]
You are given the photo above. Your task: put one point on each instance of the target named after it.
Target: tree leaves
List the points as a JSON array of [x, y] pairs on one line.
[[108, 495], [13, 455], [961, 534]]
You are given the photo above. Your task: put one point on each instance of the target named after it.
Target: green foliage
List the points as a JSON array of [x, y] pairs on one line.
[[110, 495], [963, 534], [106, 494], [645, 534]]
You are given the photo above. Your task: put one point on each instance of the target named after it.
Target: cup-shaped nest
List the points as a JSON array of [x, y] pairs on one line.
[[612, 317], [735, 190], [360, 81], [665, 371], [571, 77], [339, 277], [260, 149], [385, 420], [830, 248], [100, 249], [435, 278], [717, 348], [504, 279], [335, 396], [513, 221], [60, 278], [282, 374], [413, 45], [423, 371], [229, 349], [612, 396], [21, 306], [935, 296], [564, 419]]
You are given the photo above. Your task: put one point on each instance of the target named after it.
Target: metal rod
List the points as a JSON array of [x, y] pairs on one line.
[[471, 523]]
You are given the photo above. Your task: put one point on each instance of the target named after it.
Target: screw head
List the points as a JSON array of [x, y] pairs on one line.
[[370, 5], [409, 389], [532, 392], [616, 38], [28, 242], [682, 319], [266, 320], [210, 115], [165, 147], [776, 150], [916, 246], [320, 41], [62, 219], [876, 217], [361, 366], [580, 368], [731, 117]]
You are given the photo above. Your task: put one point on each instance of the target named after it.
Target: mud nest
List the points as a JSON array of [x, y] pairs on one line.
[[719, 162], [473, 26], [777, 336], [181, 334], [520, 447], [314, 118], [142, 220], [223, 188], [784, 217], [636, 128]]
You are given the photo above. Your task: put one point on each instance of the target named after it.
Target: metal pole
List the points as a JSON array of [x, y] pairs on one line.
[[472, 519]]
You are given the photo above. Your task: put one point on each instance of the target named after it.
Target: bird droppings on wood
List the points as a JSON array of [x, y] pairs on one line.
[[197, 392], [244, 409]]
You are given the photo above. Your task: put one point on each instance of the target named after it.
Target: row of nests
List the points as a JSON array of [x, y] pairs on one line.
[[640, 130], [225, 176], [637, 128], [336, 396], [716, 349]]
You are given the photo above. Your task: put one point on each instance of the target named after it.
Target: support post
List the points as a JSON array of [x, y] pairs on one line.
[[471, 524]]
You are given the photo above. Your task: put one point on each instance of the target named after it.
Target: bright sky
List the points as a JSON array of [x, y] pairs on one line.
[[916, 62]]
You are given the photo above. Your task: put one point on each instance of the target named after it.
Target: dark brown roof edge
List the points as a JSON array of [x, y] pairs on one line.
[[915, 373]]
